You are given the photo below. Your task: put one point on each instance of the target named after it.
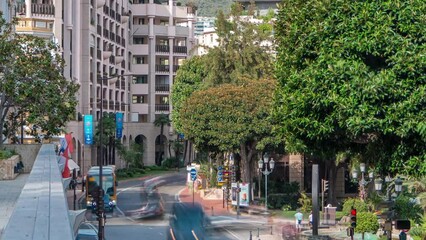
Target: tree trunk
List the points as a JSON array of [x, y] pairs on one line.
[[185, 151], [332, 174], [247, 151]]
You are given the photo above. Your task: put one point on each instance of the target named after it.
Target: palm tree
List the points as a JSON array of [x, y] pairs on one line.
[[160, 121]]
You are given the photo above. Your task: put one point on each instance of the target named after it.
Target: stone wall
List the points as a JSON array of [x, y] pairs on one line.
[[27, 152], [7, 168]]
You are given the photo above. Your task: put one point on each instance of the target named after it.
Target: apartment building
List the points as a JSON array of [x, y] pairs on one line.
[[143, 42], [263, 6]]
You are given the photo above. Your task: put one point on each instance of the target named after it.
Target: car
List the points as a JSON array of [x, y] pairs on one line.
[[153, 208], [87, 231], [188, 221]]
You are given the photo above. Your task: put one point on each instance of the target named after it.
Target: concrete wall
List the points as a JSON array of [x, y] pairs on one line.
[[7, 168], [41, 211], [28, 153]]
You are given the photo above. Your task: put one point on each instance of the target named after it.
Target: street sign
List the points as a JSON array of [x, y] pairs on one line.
[[193, 174]]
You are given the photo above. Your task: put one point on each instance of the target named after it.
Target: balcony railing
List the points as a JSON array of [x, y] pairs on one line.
[[99, 54], [106, 33], [162, 68], [162, 87], [162, 107], [175, 68], [112, 36], [45, 9], [162, 48], [106, 9], [99, 29], [180, 49]]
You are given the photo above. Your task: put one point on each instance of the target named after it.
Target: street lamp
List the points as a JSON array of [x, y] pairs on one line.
[[378, 184], [363, 182], [266, 166], [101, 212]]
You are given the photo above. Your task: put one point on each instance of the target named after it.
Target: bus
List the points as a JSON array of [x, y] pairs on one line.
[[109, 183]]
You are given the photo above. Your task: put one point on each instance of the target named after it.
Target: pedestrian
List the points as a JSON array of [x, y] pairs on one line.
[[310, 220], [299, 218]]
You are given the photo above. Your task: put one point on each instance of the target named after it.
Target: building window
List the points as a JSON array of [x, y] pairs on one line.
[[139, 60], [138, 40], [140, 79], [139, 99], [143, 118]]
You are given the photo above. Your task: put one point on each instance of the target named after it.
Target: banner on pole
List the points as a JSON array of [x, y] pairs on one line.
[[88, 129], [119, 125]]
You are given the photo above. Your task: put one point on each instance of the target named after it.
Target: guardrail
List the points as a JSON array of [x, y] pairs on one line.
[[41, 211]]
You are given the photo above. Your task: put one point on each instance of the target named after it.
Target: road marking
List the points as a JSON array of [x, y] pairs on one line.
[[232, 234]]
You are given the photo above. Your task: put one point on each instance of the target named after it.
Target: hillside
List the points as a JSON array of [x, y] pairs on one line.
[[209, 8]]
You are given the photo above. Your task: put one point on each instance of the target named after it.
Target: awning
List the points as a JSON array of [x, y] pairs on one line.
[[72, 165]]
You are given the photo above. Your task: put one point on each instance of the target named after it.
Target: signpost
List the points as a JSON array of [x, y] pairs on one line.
[[193, 173]]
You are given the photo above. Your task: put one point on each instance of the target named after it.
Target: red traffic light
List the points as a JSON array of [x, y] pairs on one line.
[[353, 212]]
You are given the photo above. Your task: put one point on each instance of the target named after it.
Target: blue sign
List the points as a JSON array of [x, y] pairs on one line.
[[193, 174], [219, 179], [220, 168], [119, 125], [88, 129]]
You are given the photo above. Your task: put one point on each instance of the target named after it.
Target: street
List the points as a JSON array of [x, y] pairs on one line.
[[119, 226]]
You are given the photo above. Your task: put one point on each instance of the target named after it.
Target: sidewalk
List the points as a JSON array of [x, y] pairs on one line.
[[10, 191], [211, 207]]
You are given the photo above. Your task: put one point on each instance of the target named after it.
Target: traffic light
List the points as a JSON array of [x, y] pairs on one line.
[[353, 218], [324, 185]]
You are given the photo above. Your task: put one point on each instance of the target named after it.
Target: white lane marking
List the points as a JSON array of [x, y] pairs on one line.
[[232, 234]]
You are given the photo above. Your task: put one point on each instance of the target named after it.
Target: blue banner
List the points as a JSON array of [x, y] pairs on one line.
[[119, 125], [88, 129]]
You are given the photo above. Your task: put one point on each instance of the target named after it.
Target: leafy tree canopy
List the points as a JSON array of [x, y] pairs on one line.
[[32, 84], [352, 77], [224, 117]]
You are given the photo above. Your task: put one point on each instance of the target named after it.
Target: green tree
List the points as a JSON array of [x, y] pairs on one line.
[[367, 222], [32, 85], [160, 121], [351, 79], [133, 155], [244, 50], [231, 118]]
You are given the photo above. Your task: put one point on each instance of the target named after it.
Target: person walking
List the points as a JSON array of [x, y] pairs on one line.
[[299, 218], [311, 223]]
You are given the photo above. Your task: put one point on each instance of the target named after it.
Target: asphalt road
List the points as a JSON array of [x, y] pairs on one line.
[[130, 196]]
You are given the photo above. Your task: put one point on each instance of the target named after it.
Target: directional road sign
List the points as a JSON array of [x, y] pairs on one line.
[[193, 174]]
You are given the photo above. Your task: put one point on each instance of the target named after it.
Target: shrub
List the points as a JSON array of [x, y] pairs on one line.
[[171, 162], [5, 154], [407, 208], [278, 200], [356, 203], [367, 222], [305, 202]]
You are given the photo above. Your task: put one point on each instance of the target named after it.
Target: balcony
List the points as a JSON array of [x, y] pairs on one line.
[[106, 54], [175, 68], [106, 10], [162, 68], [162, 107], [162, 48], [112, 36], [162, 87], [43, 9], [99, 54], [118, 59], [100, 3], [180, 49], [118, 17]]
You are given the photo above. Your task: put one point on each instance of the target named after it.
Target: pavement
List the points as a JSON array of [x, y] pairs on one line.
[[10, 191]]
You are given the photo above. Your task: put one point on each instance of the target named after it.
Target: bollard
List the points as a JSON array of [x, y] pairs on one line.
[[271, 230], [257, 232], [212, 211], [250, 236]]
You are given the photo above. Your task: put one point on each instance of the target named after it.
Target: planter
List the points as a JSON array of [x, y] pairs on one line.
[[7, 168]]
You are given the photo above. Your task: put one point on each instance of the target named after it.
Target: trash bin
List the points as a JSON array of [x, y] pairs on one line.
[[330, 215]]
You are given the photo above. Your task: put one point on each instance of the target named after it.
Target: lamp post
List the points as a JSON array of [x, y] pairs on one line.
[[266, 166], [101, 212], [363, 181], [378, 183]]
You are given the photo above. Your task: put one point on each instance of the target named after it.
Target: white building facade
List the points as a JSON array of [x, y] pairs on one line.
[[143, 42]]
